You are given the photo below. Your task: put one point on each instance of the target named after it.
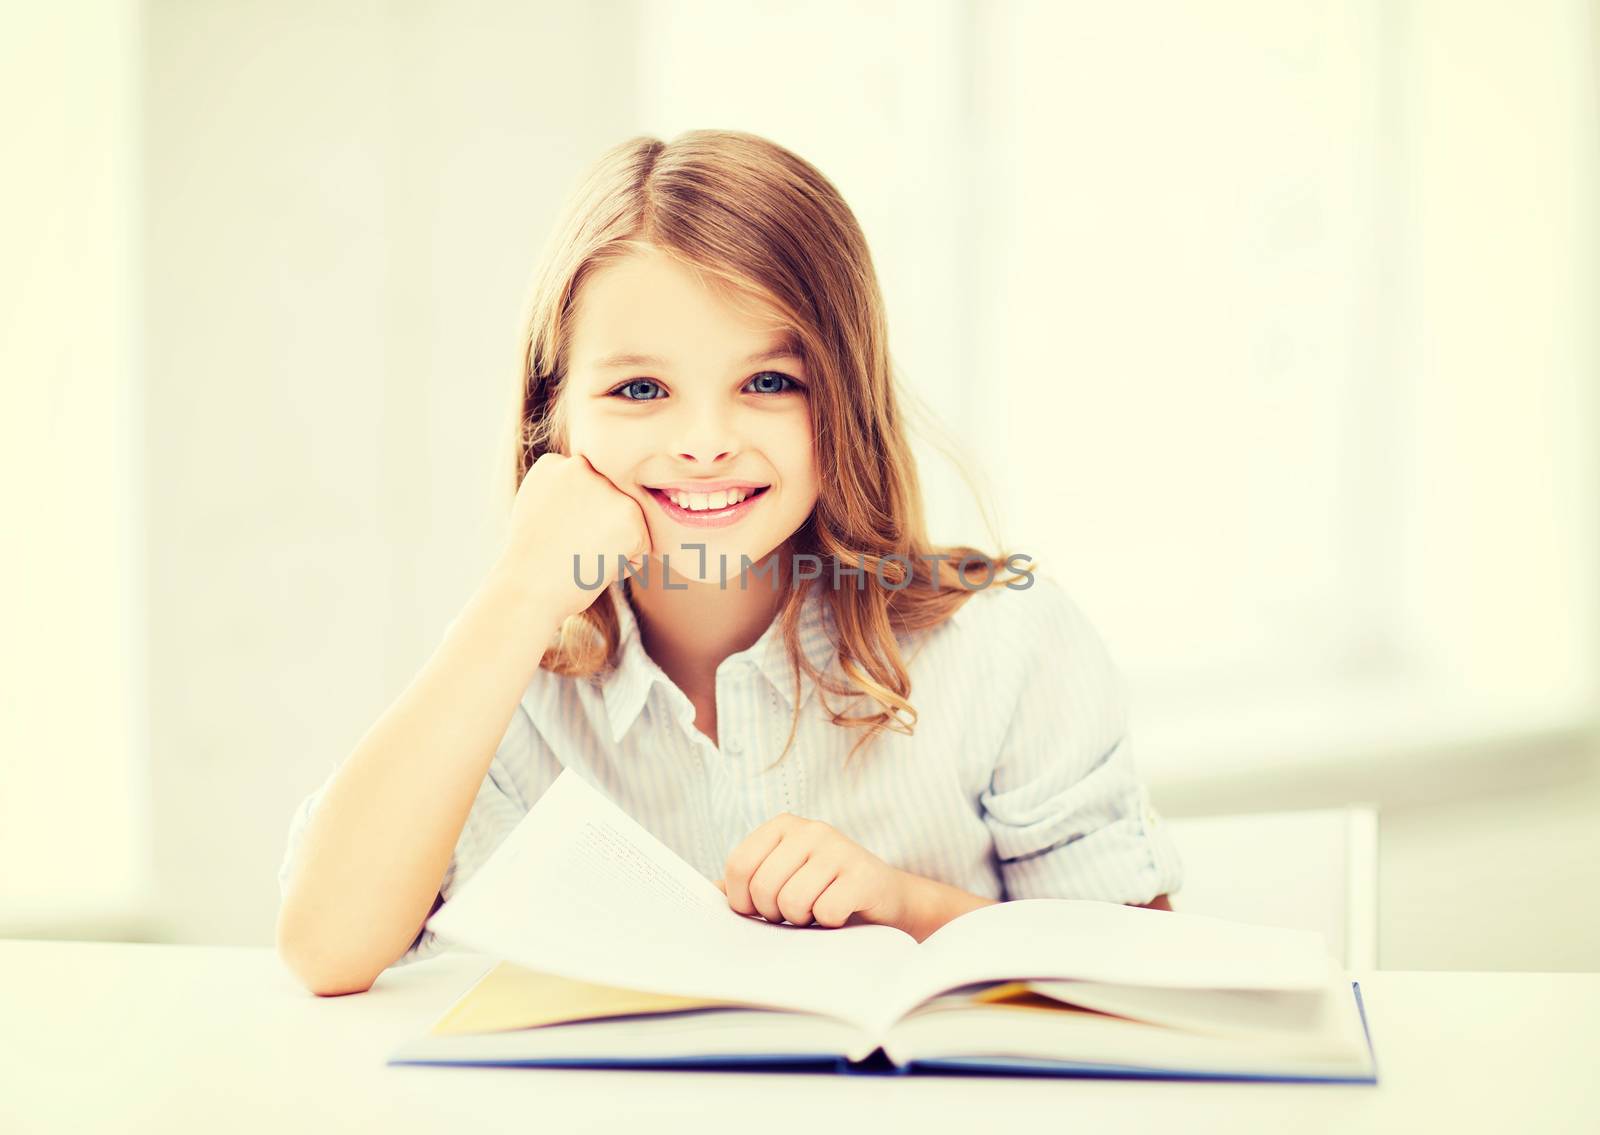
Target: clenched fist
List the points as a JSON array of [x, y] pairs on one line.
[[804, 870]]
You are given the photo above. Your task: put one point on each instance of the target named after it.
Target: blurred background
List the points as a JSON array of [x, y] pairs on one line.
[[1268, 325]]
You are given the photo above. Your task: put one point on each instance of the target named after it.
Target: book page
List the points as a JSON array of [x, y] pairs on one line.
[[1284, 1016], [1113, 944], [1025, 1028], [580, 889]]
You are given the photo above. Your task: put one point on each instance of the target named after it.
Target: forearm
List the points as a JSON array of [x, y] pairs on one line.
[[371, 858]]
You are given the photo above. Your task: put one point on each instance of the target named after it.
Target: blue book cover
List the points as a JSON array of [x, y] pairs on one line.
[[878, 1064]]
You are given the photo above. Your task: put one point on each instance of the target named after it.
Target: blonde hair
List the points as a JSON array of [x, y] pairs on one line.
[[762, 226]]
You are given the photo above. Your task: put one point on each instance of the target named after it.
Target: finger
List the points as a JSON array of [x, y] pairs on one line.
[[775, 870], [805, 886], [834, 906], [721, 886], [742, 864]]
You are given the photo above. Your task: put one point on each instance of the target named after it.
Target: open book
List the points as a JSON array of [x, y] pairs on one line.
[[613, 951]]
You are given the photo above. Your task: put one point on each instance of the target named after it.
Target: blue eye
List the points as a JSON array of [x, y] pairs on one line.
[[647, 383], [777, 375], [635, 383]]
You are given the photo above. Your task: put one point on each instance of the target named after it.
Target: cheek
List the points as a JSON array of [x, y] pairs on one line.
[[610, 450], [791, 451], [801, 485]]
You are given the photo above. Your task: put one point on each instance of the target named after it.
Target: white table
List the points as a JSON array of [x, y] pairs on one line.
[[118, 1037]]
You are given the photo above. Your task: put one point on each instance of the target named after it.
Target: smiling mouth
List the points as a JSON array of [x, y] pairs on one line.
[[682, 501]]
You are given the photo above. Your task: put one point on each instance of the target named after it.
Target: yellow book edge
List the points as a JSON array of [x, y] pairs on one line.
[[510, 996]]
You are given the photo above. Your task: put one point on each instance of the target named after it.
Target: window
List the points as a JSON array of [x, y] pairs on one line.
[[73, 782], [1266, 320]]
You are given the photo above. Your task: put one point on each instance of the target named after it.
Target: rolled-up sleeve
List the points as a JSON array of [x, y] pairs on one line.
[[521, 760], [1069, 815]]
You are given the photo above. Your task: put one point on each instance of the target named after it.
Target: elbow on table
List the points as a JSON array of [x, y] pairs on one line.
[[320, 971]]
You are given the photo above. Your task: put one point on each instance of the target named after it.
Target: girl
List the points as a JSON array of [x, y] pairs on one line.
[[717, 602]]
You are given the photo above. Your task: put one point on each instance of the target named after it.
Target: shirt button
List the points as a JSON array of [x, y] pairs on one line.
[[734, 747]]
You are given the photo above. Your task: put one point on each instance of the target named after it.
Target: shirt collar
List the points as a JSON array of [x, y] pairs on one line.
[[626, 687]]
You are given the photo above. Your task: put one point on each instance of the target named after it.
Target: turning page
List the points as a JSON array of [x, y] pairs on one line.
[[582, 890]]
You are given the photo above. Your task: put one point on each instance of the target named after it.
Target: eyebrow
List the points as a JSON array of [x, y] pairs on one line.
[[785, 350]]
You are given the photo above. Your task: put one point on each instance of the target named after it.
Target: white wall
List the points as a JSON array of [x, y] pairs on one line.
[[1504, 879], [344, 206]]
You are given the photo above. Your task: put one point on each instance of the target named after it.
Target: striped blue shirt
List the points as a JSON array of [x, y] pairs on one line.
[[1018, 782]]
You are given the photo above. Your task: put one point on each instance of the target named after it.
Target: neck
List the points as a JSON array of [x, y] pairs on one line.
[[689, 627]]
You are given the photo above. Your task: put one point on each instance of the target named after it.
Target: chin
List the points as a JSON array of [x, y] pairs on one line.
[[686, 561]]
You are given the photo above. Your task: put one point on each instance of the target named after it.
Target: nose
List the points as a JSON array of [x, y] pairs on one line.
[[706, 437]]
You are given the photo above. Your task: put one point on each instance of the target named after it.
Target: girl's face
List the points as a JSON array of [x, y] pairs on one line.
[[671, 388]]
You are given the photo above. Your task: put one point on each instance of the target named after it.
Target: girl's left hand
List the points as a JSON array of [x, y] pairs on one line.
[[804, 870]]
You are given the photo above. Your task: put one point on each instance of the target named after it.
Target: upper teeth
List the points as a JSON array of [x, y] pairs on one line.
[[699, 502]]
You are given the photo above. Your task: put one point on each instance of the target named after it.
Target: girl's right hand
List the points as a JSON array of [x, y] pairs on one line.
[[567, 521]]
